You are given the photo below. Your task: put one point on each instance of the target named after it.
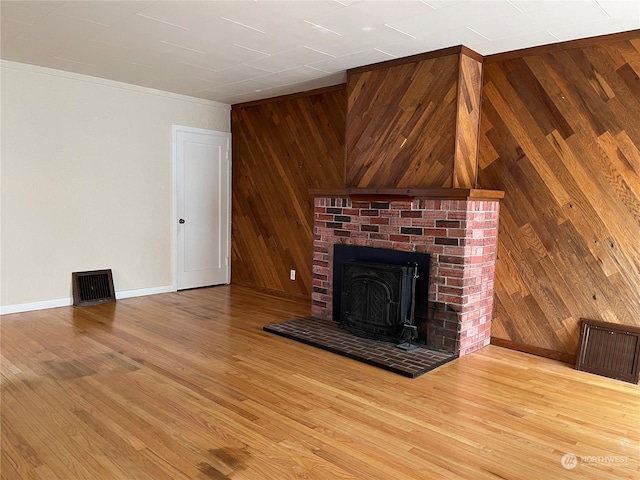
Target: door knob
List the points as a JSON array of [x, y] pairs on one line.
[[181, 220]]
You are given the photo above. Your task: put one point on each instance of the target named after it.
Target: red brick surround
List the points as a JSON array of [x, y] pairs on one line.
[[460, 235]]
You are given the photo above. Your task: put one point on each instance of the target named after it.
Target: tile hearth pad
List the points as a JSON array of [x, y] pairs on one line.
[[327, 334]]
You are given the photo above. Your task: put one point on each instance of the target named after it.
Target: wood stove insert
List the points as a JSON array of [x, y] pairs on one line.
[[377, 298], [344, 259]]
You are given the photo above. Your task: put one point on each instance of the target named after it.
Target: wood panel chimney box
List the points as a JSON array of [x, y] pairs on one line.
[[414, 122]]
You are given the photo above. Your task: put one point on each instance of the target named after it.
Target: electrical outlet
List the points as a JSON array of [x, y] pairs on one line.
[[292, 274]]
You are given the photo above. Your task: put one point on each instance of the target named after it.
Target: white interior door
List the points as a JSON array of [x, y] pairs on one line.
[[202, 207]]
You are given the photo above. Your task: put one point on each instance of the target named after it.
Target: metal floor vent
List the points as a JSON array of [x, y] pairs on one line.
[[610, 350], [93, 288]]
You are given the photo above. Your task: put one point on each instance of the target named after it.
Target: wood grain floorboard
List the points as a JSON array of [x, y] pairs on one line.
[[187, 386]]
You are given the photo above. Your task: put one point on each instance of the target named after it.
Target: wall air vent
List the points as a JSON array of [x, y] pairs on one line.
[[610, 350], [93, 288]]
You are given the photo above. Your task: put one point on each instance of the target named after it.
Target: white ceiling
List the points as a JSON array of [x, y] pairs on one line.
[[237, 51]]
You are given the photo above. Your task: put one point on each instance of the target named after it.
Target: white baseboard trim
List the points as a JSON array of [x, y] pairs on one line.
[[65, 302], [144, 291], [28, 307]]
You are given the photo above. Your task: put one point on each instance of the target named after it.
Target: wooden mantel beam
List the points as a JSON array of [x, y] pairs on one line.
[[397, 193]]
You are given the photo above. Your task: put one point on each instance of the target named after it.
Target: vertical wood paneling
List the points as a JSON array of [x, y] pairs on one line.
[[401, 124], [560, 134], [465, 163], [281, 149]]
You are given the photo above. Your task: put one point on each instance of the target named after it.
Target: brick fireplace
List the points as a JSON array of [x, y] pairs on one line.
[[460, 234]]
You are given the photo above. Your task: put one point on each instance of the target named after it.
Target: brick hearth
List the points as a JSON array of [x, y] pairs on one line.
[[326, 334], [460, 235]]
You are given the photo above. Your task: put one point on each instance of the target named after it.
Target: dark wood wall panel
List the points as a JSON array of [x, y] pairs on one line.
[[281, 149], [465, 163], [560, 134], [401, 124]]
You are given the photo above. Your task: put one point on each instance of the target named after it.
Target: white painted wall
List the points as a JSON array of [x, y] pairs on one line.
[[86, 182]]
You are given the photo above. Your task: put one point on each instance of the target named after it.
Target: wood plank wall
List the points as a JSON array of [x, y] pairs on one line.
[[465, 161], [401, 124], [281, 149], [560, 134]]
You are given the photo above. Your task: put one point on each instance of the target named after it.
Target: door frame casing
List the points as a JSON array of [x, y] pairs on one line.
[[175, 129]]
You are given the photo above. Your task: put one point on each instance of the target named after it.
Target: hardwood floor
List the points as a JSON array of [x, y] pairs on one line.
[[187, 386]]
